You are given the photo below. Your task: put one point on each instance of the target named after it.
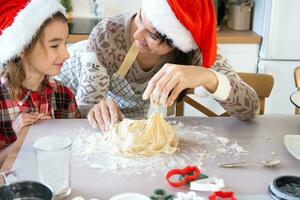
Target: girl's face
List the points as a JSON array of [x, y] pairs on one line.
[[145, 36], [48, 54]]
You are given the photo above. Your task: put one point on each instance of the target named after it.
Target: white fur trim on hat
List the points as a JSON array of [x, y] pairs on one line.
[[162, 17], [26, 24]]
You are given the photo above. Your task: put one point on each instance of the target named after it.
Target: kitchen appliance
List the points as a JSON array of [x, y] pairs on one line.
[[239, 14], [285, 188], [277, 22]]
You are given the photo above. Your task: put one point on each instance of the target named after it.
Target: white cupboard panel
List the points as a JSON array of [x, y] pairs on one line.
[[242, 57], [284, 85]]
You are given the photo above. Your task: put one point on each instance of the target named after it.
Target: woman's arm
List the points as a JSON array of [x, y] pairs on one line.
[[221, 82], [242, 101]]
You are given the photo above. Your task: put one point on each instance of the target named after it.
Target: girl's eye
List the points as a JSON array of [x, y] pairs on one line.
[[54, 46]]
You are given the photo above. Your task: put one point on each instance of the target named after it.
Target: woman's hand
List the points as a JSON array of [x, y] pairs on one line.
[[104, 114], [175, 78], [26, 119]]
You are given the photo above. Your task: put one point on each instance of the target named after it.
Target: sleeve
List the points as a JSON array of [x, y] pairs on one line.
[[2, 138], [7, 134], [233, 94], [73, 111], [242, 100], [94, 82]]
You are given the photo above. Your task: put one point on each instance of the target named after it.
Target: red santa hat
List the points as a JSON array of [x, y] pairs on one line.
[[20, 20], [190, 24]]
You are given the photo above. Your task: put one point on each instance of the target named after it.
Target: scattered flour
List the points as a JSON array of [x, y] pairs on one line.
[[196, 145]]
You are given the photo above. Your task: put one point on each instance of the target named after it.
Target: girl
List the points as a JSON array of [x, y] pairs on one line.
[[33, 35]]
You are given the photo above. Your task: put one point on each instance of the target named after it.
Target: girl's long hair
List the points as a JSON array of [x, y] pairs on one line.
[[13, 71]]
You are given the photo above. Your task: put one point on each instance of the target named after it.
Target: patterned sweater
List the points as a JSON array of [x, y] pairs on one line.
[[97, 60]]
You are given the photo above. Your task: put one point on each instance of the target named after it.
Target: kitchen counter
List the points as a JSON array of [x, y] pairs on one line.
[[80, 29], [227, 35]]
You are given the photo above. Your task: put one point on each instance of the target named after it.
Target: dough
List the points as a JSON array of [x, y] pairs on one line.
[[136, 138]]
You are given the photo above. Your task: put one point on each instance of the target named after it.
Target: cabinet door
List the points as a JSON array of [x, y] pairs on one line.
[[284, 85], [242, 57]]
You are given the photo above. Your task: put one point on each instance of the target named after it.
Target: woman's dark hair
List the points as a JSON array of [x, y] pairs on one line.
[[162, 38]]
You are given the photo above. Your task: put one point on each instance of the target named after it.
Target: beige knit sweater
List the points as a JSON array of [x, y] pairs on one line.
[[103, 54]]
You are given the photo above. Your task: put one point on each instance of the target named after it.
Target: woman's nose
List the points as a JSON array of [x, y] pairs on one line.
[[139, 33]]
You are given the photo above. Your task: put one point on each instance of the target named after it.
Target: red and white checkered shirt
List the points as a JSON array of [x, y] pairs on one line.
[[54, 100]]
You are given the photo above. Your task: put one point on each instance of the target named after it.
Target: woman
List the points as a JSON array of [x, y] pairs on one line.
[[177, 50]]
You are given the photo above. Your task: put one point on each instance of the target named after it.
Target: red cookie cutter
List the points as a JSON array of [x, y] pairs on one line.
[[222, 195], [188, 174]]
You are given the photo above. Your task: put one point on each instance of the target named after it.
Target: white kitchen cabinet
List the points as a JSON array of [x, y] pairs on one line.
[[284, 85], [242, 57]]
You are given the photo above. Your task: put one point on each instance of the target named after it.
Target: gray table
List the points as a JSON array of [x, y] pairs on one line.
[[249, 182]]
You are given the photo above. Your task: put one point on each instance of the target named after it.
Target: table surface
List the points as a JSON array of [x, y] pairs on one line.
[[260, 137]]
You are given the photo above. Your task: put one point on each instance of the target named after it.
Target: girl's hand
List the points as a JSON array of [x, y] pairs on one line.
[[172, 78], [104, 114], [26, 119]]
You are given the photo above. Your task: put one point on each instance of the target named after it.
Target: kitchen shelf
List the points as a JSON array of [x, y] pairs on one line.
[[80, 28]]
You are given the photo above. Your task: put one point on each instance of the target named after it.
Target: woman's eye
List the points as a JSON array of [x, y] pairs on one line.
[[154, 36], [54, 46]]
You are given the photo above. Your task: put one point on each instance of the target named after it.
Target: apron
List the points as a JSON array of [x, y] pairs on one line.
[[122, 92]]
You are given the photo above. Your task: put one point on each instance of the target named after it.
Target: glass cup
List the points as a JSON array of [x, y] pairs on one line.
[[53, 157]]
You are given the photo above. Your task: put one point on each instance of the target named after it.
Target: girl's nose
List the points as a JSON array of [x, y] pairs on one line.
[[65, 54]]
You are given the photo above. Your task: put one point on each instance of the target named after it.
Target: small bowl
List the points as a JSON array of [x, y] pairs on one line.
[[285, 188], [25, 190]]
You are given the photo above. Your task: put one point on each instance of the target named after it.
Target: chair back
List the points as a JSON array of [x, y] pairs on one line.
[[261, 83], [297, 84]]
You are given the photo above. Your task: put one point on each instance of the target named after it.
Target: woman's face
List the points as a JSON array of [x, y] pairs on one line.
[[146, 37], [48, 54]]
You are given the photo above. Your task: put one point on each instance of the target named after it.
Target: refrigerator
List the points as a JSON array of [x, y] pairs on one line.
[[278, 22]]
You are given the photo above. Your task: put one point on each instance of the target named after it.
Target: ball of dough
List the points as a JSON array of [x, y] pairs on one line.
[[135, 138]]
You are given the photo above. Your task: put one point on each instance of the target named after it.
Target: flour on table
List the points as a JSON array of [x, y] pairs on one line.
[[197, 144]]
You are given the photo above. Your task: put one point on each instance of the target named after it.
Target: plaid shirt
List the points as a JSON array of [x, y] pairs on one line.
[[54, 100]]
